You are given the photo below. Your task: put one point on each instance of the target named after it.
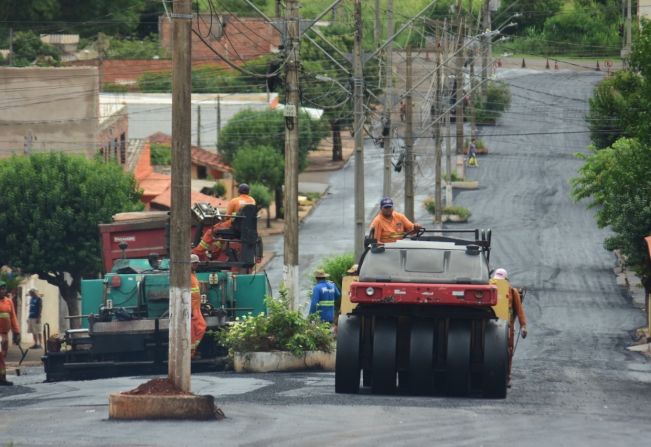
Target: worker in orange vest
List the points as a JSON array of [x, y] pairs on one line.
[[198, 323], [8, 322], [208, 242], [515, 310], [390, 225]]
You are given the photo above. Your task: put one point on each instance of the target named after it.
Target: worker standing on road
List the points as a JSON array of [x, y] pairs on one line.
[[208, 242], [390, 225], [324, 296], [34, 319], [198, 323], [472, 153], [515, 310], [8, 322]]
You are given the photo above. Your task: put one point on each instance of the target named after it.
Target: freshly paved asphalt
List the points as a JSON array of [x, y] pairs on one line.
[[574, 382]]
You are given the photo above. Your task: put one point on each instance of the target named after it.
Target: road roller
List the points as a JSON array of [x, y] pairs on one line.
[[425, 318]]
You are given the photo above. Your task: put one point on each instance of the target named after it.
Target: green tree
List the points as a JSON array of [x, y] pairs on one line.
[[262, 197], [51, 205], [251, 128], [533, 13], [614, 108], [28, 48], [261, 164], [616, 181]]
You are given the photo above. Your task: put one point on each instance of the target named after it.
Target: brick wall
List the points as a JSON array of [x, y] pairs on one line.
[[235, 38]]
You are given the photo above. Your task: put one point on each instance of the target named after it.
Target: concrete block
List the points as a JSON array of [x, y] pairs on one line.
[[138, 407], [282, 361]]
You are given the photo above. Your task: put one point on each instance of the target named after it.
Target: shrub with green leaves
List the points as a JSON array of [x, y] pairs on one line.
[[161, 154], [498, 99], [337, 266], [463, 213], [280, 329]]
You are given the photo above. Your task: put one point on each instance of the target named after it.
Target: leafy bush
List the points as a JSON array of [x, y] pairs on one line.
[[280, 329], [161, 154], [337, 266], [498, 99], [110, 87], [219, 189], [261, 194], [147, 48], [463, 213]]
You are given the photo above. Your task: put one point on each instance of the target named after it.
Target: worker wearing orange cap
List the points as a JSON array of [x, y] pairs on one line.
[[198, 323], [8, 322], [390, 225], [208, 241]]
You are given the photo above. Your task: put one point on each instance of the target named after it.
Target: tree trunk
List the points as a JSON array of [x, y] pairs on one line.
[[69, 293], [279, 203], [337, 149], [268, 217]]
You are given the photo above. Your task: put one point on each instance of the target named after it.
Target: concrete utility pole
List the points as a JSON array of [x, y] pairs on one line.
[[358, 125], [409, 141], [290, 268], [459, 81], [628, 44], [198, 125], [179, 310], [388, 104], [448, 134], [377, 34], [485, 46]]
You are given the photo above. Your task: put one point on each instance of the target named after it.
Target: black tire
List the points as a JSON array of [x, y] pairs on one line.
[[496, 359], [421, 371], [385, 336], [458, 358], [347, 365]]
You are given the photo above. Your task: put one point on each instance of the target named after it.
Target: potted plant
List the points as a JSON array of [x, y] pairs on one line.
[[450, 213], [279, 340]]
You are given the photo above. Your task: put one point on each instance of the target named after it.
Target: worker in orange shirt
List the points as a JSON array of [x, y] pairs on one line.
[[390, 225], [208, 241], [515, 310], [198, 323], [8, 322]]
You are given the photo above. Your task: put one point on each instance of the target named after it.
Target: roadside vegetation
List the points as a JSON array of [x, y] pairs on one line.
[[615, 176], [280, 329]]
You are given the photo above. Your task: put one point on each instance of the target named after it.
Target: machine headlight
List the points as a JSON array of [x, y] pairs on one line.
[[370, 291]]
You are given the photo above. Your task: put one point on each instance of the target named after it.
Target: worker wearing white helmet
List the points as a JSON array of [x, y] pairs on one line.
[[515, 310]]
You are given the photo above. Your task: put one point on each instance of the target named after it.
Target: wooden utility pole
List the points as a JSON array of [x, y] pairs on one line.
[[388, 104], [438, 196], [290, 269], [358, 125], [409, 141], [219, 121], [459, 78], [179, 308], [485, 47], [198, 125]]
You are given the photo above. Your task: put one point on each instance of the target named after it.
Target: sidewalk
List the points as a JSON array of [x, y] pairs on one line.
[[33, 358]]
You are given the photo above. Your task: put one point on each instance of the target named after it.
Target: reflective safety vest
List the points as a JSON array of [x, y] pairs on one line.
[[324, 295]]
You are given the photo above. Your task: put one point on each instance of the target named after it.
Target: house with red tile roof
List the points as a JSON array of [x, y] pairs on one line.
[[156, 187]]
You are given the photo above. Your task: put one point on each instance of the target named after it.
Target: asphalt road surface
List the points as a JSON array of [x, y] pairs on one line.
[[574, 382]]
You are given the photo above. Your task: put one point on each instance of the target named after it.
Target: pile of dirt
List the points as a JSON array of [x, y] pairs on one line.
[[160, 387]]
